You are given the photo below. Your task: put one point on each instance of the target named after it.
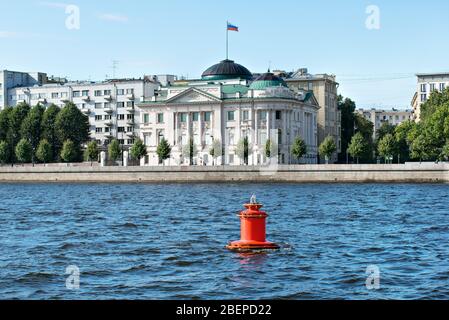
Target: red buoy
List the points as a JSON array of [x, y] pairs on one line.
[[253, 229]]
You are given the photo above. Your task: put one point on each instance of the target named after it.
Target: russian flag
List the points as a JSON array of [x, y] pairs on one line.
[[231, 27]]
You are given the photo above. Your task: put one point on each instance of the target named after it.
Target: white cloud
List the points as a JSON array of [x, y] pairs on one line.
[[113, 17], [58, 5]]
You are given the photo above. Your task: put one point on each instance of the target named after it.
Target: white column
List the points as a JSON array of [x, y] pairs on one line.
[[125, 158], [200, 128], [103, 158]]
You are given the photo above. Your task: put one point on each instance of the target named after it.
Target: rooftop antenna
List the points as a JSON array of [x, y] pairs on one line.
[[269, 66], [115, 64]]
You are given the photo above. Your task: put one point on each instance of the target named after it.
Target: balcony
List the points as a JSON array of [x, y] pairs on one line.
[[130, 122], [130, 134], [108, 110], [42, 100], [108, 135], [108, 123], [85, 111], [65, 100], [85, 98], [130, 109], [130, 96], [108, 97]]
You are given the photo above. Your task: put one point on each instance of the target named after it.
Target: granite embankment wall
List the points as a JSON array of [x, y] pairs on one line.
[[406, 173]]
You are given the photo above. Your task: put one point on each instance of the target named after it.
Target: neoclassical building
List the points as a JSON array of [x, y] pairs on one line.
[[226, 105]]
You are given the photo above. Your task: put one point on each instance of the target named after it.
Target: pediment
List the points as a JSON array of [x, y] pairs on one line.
[[193, 95]]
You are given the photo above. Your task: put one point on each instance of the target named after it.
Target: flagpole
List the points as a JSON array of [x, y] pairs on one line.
[[227, 40]]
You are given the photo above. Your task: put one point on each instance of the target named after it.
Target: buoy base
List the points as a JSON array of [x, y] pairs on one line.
[[245, 246]]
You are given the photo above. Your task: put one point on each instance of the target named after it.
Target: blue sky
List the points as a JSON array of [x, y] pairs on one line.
[[374, 67]]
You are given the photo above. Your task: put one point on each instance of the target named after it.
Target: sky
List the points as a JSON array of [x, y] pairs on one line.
[[375, 64]]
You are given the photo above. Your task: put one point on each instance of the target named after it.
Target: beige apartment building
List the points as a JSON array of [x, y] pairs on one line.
[[324, 88], [427, 83], [379, 117]]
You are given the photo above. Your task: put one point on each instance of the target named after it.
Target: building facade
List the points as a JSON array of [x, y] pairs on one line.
[[379, 117], [426, 84], [110, 105], [225, 106], [325, 88]]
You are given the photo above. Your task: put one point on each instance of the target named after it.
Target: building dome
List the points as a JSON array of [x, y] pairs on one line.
[[227, 69], [267, 80]]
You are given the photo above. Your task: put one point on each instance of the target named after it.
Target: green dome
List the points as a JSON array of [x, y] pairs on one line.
[[227, 69], [267, 80]]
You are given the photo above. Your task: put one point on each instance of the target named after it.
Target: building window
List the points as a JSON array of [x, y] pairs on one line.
[[146, 139], [107, 92], [64, 94], [231, 115], [99, 130], [146, 118], [183, 117], [129, 117], [160, 118], [55, 95], [129, 91], [98, 118], [130, 129], [278, 115], [120, 92], [245, 115], [120, 104], [160, 136], [107, 105], [207, 116], [85, 93], [131, 141], [442, 86], [263, 115], [432, 87], [98, 93], [195, 116], [108, 117], [76, 94], [107, 130], [120, 117], [424, 97], [130, 104], [424, 87], [279, 136], [98, 105], [121, 129]]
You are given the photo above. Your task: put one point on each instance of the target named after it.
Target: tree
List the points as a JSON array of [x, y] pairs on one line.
[[16, 116], [271, 149], [433, 103], [358, 146], [366, 128], [347, 108], [422, 148], [384, 129], [401, 134], [445, 152], [216, 149], [31, 127], [163, 151], [4, 152], [299, 148], [71, 124], [44, 151], [328, 148], [24, 151], [69, 152], [189, 150], [92, 151], [138, 150], [4, 122], [49, 131], [243, 149], [387, 147], [114, 150]]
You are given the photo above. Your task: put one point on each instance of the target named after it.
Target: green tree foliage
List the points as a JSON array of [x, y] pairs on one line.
[[24, 151], [189, 150], [4, 122], [16, 116], [445, 152], [384, 129], [387, 146], [271, 149], [163, 151], [347, 108], [327, 148], [401, 134], [138, 150], [5, 152], [114, 150], [435, 101], [216, 149], [243, 149], [92, 151], [49, 131], [299, 148], [31, 126], [69, 152], [73, 125], [44, 151], [358, 146]]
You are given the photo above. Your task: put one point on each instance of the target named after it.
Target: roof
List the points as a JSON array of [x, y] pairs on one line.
[[226, 69], [267, 80]]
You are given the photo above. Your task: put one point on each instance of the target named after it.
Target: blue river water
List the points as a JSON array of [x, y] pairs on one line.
[[167, 241]]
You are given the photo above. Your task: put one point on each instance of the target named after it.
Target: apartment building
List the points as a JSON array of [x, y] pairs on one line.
[[110, 104], [379, 117], [426, 84], [324, 87]]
